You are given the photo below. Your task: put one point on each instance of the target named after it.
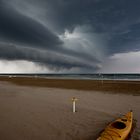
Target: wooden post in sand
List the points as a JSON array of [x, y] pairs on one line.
[[74, 104]]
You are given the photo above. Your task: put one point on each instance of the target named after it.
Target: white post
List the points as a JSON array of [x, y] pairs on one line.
[[73, 106]]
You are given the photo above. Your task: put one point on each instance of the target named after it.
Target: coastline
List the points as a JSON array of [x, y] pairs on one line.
[[115, 86], [34, 111]]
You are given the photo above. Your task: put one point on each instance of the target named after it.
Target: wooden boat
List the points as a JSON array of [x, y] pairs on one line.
[[119, 129]]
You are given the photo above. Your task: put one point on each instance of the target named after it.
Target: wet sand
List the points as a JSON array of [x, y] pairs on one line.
[[115, 86], [44, 113]]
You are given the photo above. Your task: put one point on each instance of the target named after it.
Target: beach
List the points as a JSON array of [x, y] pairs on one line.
[[41, 109]]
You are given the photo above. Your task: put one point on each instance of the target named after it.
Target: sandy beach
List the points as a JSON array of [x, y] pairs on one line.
[[31, 110]]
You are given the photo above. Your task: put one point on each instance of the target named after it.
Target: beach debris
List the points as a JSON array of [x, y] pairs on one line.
[[74, 99]]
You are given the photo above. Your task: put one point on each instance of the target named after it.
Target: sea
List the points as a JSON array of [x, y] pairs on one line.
[[95, 76]]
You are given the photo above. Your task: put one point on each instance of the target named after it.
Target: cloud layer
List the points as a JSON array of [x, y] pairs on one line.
[[69, 36]]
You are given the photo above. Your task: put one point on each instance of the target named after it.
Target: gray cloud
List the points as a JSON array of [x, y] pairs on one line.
[[51, 59], [20, 29], [104, 17], [96, 29]]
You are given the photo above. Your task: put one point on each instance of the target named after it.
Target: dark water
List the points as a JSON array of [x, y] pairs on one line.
[[97, 76]]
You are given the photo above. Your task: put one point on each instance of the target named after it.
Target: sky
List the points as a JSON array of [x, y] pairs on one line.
[[69, 36]]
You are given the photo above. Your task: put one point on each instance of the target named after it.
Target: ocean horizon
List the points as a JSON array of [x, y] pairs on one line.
[[95, 76]]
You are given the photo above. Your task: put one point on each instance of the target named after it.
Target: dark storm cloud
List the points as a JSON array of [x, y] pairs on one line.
[[35, 27], [109, 17], [21, 30], [17, 28], [53, 60]]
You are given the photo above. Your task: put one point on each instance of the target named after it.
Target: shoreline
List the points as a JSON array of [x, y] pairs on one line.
[[116, 86], [46, 113], [42, 112]]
